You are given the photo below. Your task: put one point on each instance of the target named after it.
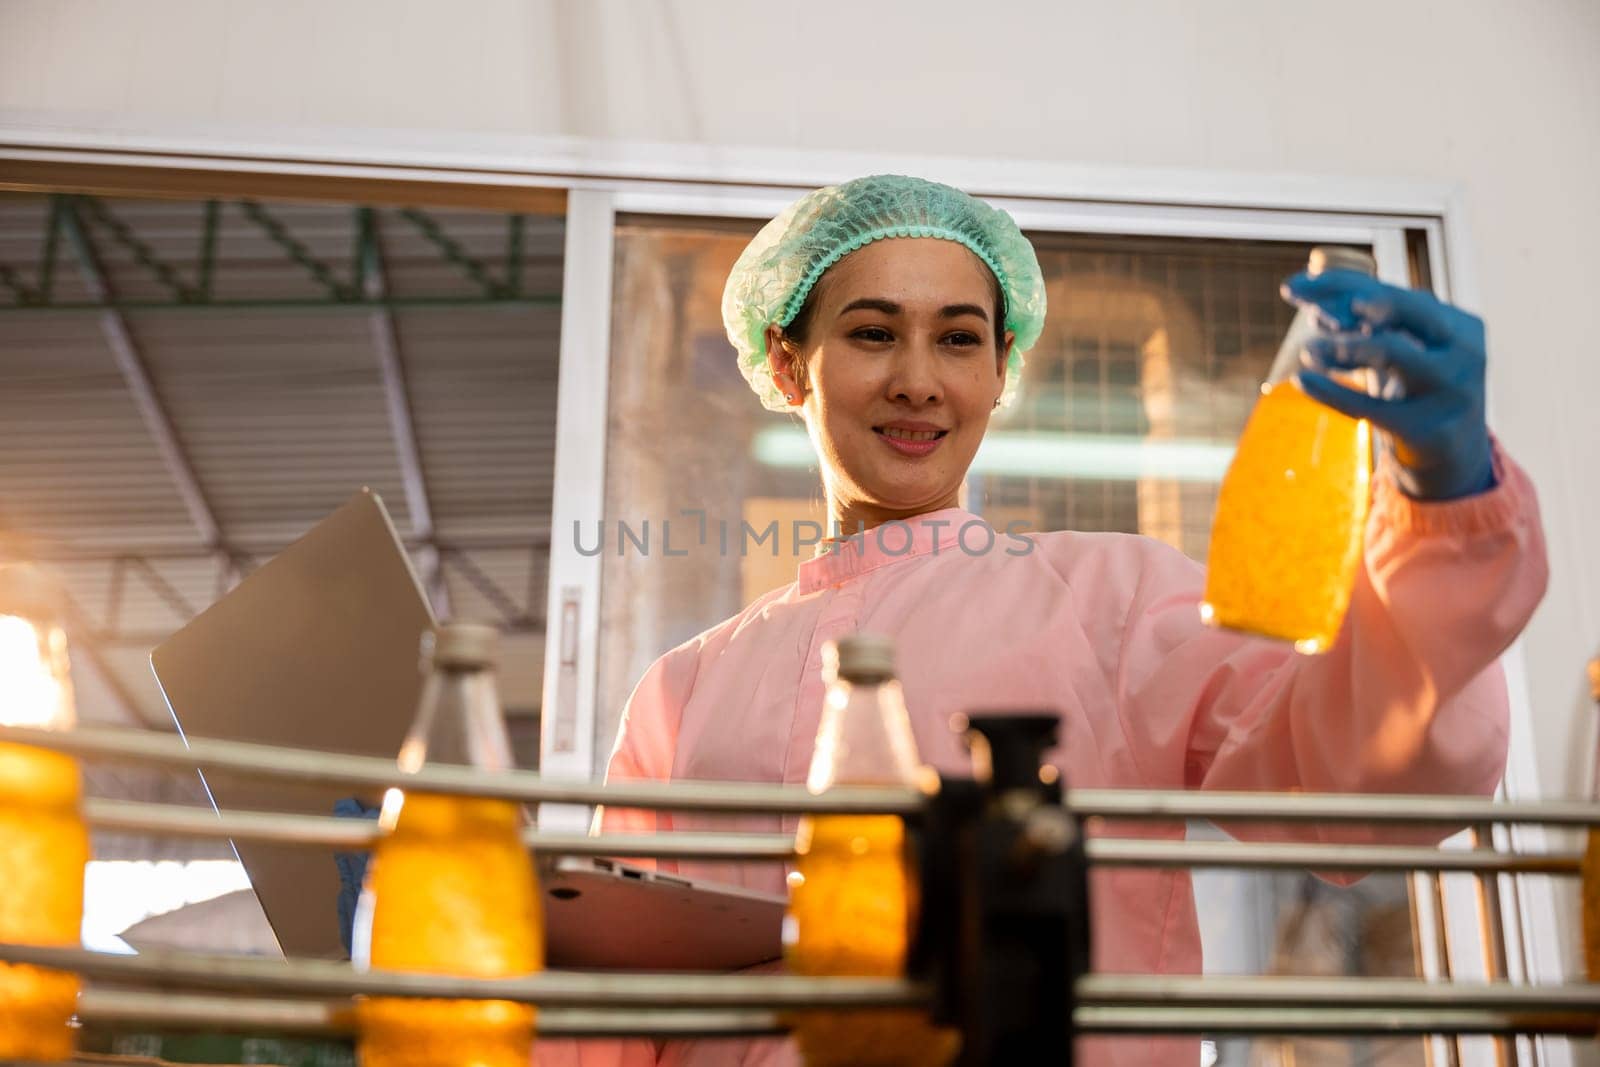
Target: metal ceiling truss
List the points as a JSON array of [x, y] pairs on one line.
[[131, 362], [362, 286], [346, 288], [402, 425]]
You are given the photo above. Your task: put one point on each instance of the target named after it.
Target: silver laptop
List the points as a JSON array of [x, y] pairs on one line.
[[319, 648]]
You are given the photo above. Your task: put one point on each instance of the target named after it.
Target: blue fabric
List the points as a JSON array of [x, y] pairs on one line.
[[1430, 357], [352, 871]]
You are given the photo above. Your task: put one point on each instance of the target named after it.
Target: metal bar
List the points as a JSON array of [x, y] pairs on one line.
[[1492, 935], [289, 305], [105, 1007], [137, 817], [319, 978], [227, 577], [280, 235], [486, 586], [361, 253], [188, 1011], [514, 232], [196, 1011], [192, 1011], [142, 253], [26, 297], [1107, 852], [1377, 809], [86, 645], [371, 772], [52, 244], [1346, 1022], [137, 378], [1248, 855], [453, 251], [208, 250], [397, 400], [1279, 991], [323, 768], [356, 834], [165, 590], [119, 582], [1429, 954]]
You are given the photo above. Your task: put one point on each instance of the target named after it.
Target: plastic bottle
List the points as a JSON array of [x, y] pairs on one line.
[[1287, 537], [451, 888], [44, 842], [852, 896]]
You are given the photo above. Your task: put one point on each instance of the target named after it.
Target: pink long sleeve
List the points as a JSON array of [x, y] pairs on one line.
[[1409, 699], [647, 737]]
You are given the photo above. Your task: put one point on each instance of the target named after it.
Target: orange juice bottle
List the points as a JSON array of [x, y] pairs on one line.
[[1591, 857], [852, 895], [44, 842], [1287, 536], [451, 888]]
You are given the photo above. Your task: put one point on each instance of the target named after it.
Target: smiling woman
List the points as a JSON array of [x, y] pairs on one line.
[[870, 310], [897, 365]]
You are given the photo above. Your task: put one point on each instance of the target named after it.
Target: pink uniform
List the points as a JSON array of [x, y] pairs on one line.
[[1105, 628]]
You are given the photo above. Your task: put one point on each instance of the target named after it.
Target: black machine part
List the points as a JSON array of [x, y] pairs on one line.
[[1002, 933]]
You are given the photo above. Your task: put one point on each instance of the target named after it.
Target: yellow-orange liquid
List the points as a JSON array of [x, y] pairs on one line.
[[454, 893], [1287, 537], [43, 848], [850, 908]]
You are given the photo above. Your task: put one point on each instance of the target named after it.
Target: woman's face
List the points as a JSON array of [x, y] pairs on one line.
[[901, 371]]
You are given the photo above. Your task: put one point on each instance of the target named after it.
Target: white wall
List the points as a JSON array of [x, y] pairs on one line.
[[1502, 97]]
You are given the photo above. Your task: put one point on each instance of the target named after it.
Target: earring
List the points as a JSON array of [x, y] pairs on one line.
[[996, 401], [789, 397]]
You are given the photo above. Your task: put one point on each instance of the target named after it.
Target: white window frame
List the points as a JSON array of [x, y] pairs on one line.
[[605, 178]]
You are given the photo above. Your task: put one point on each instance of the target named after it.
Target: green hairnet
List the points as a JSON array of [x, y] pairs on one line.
[[781, 265]]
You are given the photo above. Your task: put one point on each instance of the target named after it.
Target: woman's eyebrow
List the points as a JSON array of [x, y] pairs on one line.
[[957, 310], [889, 307], [872, 303]]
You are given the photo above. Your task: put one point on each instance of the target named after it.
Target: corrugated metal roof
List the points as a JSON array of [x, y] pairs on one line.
[[280, 413], [78, 464]]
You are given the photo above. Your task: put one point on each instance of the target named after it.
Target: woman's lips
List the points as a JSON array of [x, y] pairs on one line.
[[908, 446]]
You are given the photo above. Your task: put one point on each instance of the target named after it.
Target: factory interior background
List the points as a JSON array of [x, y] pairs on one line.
[[254, 257]]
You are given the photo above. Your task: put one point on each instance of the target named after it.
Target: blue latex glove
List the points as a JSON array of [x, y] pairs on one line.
[[1429, 356], [352, 871]]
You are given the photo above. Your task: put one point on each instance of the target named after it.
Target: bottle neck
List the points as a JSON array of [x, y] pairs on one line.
[[458, 721], [1306, 323], [864, 738]]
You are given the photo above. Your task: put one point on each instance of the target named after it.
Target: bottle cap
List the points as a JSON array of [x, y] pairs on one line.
[[26, 592], [860, 657], [1333, 257], [465, 646], [1011, 751]]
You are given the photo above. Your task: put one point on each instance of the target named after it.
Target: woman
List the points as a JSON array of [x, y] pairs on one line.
[[892, 314]]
